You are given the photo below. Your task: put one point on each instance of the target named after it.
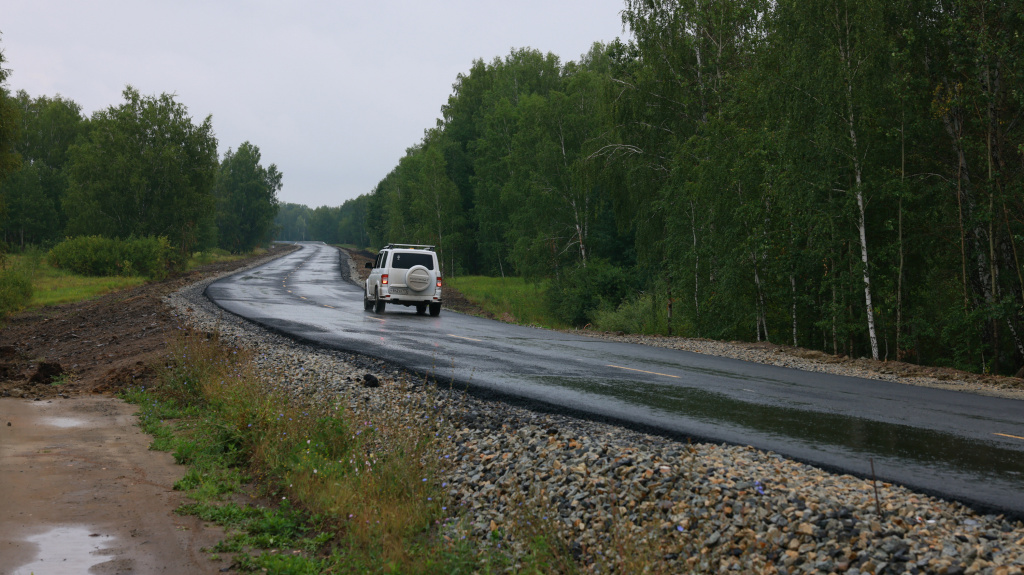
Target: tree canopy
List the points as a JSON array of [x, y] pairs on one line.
[[9, 160], [246, 199], [144, 169], [33, 194], [138, 169]]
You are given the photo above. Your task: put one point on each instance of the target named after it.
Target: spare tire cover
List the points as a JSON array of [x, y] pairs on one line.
[[418, 278]]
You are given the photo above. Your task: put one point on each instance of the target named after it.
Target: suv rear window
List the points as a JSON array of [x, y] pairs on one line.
[[406, 261]]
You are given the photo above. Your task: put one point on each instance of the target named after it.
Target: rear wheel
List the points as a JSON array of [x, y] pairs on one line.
[[378, 304], [435, 309], [421, 308], [367, 302]]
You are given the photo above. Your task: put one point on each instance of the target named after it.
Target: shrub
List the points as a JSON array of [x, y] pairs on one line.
[[15, 289], [640, 314], [580, 293], [99, 256]]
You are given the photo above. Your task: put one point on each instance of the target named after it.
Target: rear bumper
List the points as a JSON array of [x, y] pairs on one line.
[[406, 300], [411, 299]]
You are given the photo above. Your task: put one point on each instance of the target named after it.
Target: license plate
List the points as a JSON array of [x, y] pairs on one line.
[[398, 291]]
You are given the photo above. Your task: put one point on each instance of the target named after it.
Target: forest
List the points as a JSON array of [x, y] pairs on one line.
[[142, 168], [837, 175]]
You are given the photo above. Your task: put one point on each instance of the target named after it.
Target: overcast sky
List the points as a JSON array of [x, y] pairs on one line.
[[331, 92]]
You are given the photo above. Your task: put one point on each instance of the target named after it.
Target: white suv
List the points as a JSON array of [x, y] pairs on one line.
[[404, 274]]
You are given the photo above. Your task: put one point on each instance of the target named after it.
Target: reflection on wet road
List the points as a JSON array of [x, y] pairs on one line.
[[960, 445]]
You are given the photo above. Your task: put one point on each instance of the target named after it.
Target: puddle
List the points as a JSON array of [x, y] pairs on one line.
[[932, 449], [63, 422], [66, 551]]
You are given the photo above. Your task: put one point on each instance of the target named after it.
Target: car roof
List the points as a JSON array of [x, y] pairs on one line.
[[409, 247]]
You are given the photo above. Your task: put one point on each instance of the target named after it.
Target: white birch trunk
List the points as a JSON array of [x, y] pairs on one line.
[[792, 283], [845, 53]]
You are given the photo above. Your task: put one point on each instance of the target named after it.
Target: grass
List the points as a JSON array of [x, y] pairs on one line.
[[511, 299], [356, 492], [52, 286]]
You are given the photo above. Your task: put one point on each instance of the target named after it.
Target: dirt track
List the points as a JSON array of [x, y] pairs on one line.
[[82, 489]]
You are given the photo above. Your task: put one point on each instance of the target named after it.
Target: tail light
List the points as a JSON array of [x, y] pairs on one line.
[[438, 281], [384, 279]]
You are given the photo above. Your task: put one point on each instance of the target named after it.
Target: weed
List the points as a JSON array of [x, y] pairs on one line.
[[62, 379]]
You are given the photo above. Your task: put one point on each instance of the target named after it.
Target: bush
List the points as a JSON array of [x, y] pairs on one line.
[[644, 314], [151, 257], [15, 289], [579, 294]]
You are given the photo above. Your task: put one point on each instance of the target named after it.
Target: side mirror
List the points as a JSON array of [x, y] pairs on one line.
[[369, 266]]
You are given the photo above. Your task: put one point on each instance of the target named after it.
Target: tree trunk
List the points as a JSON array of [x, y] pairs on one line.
[[899, 277], [762, 323], [846, 55], [792, 283], [696, 268]]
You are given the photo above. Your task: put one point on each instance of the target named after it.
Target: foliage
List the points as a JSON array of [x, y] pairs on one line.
[[213, 255], [579, 294], [246, 195], [346, 224], [144, 170], [9, 126], [15, 288], [642, 313], [99, 256], [49, 126]]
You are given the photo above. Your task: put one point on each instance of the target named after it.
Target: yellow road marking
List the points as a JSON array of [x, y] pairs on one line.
[[1008, 435], [460, 337], [330, 306], [642, 371]]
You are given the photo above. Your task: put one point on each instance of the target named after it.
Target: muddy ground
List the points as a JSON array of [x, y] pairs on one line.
[[83, 492]]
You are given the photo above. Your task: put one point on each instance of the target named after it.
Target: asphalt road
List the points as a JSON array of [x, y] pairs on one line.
[[957, 445]]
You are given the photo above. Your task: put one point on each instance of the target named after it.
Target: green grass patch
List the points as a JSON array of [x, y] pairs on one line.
[[53, 286], [510, 298], [16, 289], [355, 492]]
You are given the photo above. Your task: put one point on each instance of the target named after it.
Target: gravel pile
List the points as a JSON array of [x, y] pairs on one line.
[[623, 500]]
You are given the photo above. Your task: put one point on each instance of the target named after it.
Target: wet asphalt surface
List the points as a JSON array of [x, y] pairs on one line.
[[956, 445]]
